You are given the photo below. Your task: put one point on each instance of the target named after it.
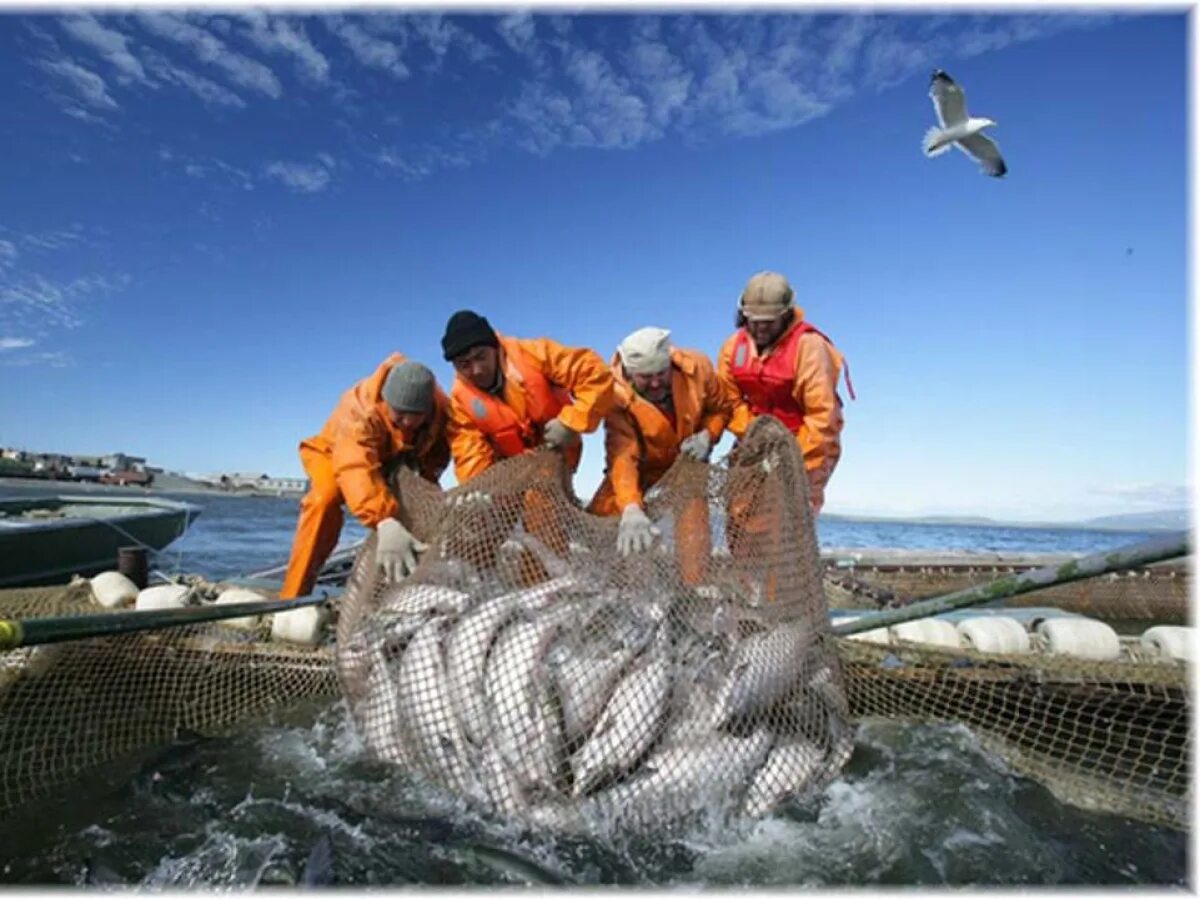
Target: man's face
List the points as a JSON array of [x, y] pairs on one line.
[[655, 387], [767, 332], [408, 422], [478, 366]]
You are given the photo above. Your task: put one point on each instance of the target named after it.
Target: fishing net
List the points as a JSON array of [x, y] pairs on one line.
[[1157, 593], [531, 669], [72, 709]]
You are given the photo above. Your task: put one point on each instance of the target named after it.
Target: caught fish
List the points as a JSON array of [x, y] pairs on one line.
[[687, 777], [524, 721], [436, 742], [421, 599], [766, 668], [381, 714], [628, 725], [318, 867], [469, 643], [500, 783], [788, 769], [584, 687]]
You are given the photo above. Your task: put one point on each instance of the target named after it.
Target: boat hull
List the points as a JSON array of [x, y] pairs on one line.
[[48, 540]]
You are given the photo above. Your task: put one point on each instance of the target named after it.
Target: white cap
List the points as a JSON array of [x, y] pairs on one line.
[[646, 351]]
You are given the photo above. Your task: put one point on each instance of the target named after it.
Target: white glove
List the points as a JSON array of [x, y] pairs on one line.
[[472, 499], [396, 551], [636, 532], [698, 446], [558, 436]]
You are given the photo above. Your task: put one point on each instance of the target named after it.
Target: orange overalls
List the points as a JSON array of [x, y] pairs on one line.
[[345, 463], [642, 442]]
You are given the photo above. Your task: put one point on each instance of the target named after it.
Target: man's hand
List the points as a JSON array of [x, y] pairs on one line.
[[636, 531], [396, 550], [698, 446], [558, 436]]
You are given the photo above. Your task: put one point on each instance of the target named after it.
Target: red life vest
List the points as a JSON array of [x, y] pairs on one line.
[[509, 433], [767, 382]]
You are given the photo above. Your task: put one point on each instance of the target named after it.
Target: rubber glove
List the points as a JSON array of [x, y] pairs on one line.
[[558, 436], [397, 549], [698, 446], [636, 532]]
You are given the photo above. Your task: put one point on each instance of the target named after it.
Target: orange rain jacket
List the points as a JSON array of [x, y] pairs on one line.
[[578, 372], [640, 441], [359, 438], [817, 366]]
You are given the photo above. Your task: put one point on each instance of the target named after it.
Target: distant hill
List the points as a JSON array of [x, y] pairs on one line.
[[1164, 520]]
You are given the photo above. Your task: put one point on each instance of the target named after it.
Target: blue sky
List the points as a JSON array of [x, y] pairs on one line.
[[214, 223]]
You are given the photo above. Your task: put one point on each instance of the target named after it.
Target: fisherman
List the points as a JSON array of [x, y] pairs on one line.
[[669, 401], [397, 416], [512, 395], [783, 366]]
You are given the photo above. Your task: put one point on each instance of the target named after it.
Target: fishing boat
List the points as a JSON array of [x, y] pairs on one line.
[[46, 540]]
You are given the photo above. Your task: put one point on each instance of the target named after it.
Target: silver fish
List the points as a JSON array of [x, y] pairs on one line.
[[766, 668], [628, 725], [500, 783], [467, 650], [686, 777], [524, 721], [421, 599], [789, 768], [584, 686], [437, 744], [381, 715]]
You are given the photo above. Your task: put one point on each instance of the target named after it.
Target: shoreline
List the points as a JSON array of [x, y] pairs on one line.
[[162, 484]]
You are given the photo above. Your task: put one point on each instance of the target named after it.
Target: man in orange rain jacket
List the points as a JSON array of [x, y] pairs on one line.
[[668, 401], [512, 395], [783, 366], [397, 414]]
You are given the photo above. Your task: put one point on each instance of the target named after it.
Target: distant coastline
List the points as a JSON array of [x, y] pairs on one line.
[[163, 483]]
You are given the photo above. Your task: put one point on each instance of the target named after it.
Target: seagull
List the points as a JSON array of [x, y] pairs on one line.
[[958, 129]]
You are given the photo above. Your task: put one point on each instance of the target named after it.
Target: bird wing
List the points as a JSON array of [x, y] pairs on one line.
[[984, 151], [949, 101]]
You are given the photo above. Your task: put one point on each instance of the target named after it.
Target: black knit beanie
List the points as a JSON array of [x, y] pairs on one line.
[[464, 331]]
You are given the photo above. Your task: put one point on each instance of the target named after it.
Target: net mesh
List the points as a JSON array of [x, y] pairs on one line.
[[530, 669], [70, 709]]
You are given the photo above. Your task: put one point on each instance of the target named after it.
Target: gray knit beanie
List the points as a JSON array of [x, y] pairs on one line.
[[409, 388]]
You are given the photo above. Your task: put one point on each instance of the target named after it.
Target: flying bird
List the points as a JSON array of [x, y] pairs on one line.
[[958, 129]]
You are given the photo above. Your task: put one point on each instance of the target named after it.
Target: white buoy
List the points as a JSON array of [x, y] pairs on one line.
[[1083, 638], [929, 631], [164, 596], [303, 625], [239, 595], [112, 589], [1170, 642], [993, 633], [879, 635]]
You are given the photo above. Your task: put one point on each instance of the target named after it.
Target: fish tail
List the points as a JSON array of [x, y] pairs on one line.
[[935, 143]]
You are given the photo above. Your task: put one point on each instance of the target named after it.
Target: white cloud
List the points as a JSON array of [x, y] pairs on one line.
[[15, 343], [90, 87], [37, 303], [113, 46], [518, 31], [55, 239], [8, 254], [276, 34], [370, 51], [242, 70], [301, 177], [50, 360], [206, 90]]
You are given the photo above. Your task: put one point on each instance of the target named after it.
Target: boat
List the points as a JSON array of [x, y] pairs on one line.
[[47, 540]]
